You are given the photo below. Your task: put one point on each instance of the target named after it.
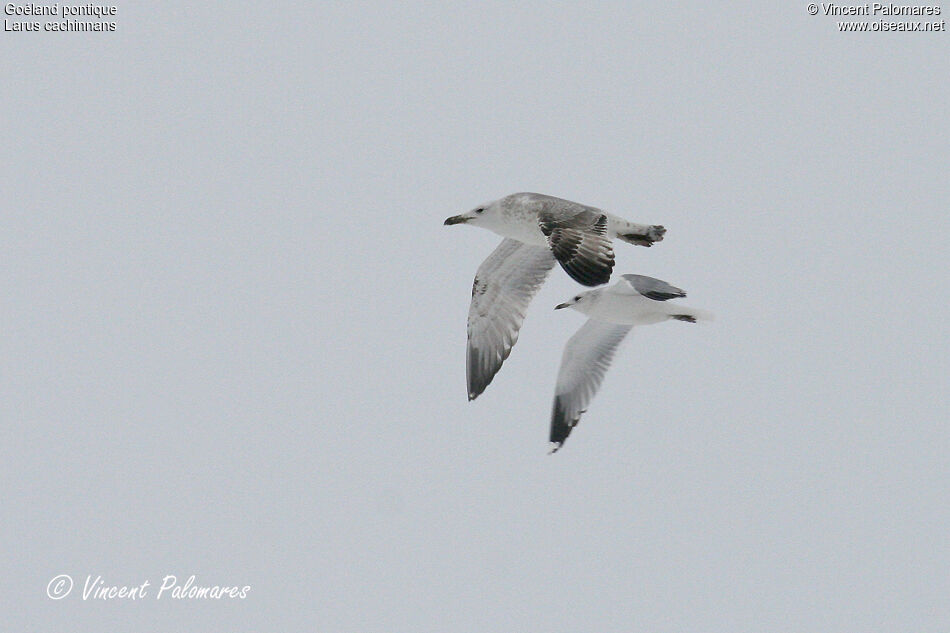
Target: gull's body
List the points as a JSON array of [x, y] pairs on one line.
[[539, 230], [613, 311], [520, 215]]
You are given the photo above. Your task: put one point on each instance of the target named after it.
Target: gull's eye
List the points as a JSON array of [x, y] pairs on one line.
[[577, 298], [479, 210]]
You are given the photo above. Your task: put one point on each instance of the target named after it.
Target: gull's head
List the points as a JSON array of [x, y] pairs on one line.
[[486, 215], [581, 302]]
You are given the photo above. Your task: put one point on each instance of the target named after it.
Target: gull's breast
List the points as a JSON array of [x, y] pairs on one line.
[[522, 225]]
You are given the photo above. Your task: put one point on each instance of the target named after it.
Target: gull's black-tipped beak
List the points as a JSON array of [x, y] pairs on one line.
[[563, 305], [456, 219]]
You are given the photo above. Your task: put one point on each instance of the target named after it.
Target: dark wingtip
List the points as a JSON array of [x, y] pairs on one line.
[[477, 384], [663, 296], [475, 378], [560, 429]]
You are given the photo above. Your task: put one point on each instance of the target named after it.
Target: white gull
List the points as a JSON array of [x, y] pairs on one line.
[[613, 311]]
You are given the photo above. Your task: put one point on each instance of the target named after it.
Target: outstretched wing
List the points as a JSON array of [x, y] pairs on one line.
[[586, 358], [504, 286], [650, 287], [579, 242]]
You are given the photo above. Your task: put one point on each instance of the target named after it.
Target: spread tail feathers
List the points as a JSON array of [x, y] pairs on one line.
[[642, 236]]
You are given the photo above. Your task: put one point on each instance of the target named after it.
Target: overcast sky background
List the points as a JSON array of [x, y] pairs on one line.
[[232, 336]]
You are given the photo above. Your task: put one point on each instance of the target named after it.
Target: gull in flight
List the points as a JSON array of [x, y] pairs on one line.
[[538, 230], [633, 300]]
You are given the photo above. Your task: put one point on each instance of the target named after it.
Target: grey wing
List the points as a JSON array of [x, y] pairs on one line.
[[652, 288], [504, 286], [578, 238], [586, 358]]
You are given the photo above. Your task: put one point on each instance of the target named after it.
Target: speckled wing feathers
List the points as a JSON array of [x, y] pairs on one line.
[[580, 244], [505, 284]]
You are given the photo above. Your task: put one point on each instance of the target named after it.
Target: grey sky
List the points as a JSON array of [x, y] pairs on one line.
[[233, 325]]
